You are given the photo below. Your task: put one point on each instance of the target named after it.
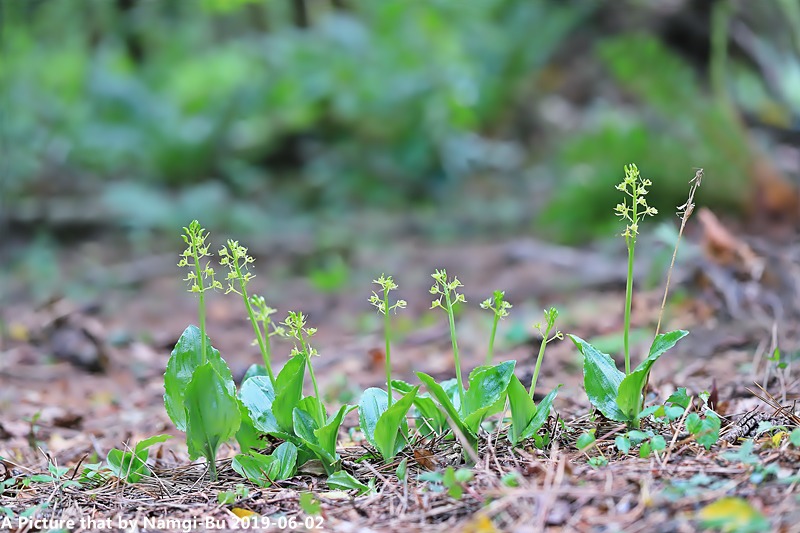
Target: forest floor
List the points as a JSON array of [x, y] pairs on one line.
[[78, 379]]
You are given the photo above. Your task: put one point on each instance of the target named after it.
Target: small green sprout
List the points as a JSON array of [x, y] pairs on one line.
[[200, 278], [448, 289], [632, 212], [381, 303], [500, 308], [295, 324], [550, 316], [235, 257]]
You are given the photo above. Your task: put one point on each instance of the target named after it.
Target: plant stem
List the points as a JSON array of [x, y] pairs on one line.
[[539, 359], [628, 299], [313, 380], [490, 353], [455, 348], [263, 346], [387, 335], [201, 305], [212, 467]]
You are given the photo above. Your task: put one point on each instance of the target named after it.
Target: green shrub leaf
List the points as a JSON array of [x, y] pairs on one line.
[[391, 430], [186, 357], [542, 412], [341, 480], [288, 391], [487, 386], [523, 409], [257, 395], [255, 467], [601, 380], [285, 464], [212, 413], [629, 399], [372, 405], [430, 419], [444, 400]]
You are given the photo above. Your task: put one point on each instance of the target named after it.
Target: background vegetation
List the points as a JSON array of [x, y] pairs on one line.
[[267, 117]]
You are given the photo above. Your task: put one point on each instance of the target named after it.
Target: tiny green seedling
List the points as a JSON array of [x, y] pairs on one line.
[[452, 480], [131, 465], [499, 308], [263, 470]]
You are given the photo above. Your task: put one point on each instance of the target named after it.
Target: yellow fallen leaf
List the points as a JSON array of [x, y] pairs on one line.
[[18, 332], [777, 438], [733, 515], [243, 513], [479, 524]]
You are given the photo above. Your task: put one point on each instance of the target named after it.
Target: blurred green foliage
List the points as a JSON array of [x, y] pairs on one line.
[[161, 109], [679, 126]]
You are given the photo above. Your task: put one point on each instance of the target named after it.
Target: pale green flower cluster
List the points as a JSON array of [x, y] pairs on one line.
[[635, 209]]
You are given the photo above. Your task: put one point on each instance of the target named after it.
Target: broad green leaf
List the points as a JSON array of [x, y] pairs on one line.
[[248, 437], [306, 427], [125, 465], [311, 405], [430, 419], [150, 441], [444, 400], [212, 413], [132, 465], [372, 405], [680, 397], [288, 391], [255, 467], [341, 480], [601, 380], [285, 464], [584, 441], [257, 395], [542, 412], [255, 370], [523, 409], [629, 398], [184, 360], [391, 430], [623, 444], [487, 387], [328, 435], [450, 387]]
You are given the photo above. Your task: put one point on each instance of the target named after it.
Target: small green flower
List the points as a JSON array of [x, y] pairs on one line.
[[236, 259], [635, 187]]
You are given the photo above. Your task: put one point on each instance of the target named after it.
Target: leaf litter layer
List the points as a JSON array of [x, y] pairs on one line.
[[557, 488]]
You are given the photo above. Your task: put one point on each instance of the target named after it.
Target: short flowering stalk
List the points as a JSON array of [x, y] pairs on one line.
[[448, 289], [236, 259], [200, 278], [296, 328], [500, 308], [381, 303], [635, 187], [550, 316]]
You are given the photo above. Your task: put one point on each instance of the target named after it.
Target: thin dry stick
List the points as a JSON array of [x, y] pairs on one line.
[[684, 212]]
